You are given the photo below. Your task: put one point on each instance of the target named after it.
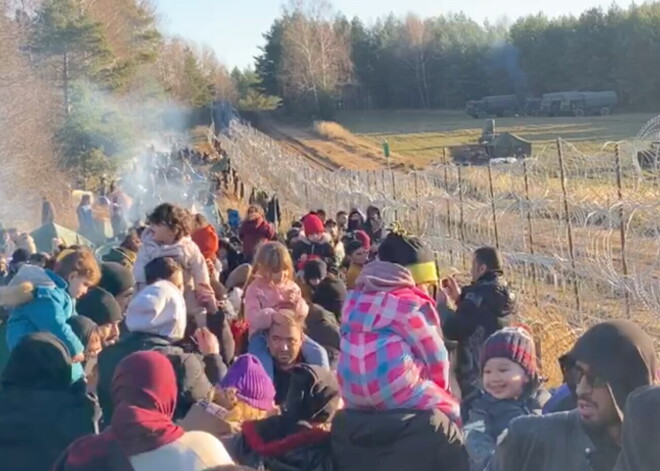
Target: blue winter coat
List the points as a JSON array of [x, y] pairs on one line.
[[39, 301]]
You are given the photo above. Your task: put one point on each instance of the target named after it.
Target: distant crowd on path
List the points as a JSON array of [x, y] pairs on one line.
[[332, 346]]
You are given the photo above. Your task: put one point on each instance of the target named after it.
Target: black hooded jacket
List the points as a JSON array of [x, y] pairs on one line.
[[299, 439], [41, 413], [485, 307]]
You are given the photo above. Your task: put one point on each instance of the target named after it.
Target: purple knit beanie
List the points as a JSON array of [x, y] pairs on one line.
[[252, 383]]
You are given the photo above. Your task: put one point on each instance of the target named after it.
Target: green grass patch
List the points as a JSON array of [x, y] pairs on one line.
[[424, 133]]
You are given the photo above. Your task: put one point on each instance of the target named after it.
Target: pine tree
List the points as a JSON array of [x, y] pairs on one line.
[[199, 89], [73, 45]]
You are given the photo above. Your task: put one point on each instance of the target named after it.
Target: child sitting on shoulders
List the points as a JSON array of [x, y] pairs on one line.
[[168, 235], [272, 288], [511, 388]]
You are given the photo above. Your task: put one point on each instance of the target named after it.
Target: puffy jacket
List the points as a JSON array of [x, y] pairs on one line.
[[490, 417], [36, 426], [184, 251], [39, 301], [262, 299], [195, 374], [263, 445], [397, 440], [305, 250], [484, 308], [392, 352], [253, 232]]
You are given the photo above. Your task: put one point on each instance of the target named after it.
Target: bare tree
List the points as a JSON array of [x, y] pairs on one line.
[[416, 54], [316, 58], [29, 169]]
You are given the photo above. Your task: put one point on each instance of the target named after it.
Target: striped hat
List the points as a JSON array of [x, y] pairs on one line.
[[515, 344]]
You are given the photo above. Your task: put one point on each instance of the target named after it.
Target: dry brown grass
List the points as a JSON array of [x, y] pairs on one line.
[[360, 145]]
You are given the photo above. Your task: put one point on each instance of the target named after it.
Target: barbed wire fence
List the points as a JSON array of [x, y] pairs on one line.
[[580, 234]]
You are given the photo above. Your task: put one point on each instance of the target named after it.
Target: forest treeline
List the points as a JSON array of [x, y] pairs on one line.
[[317, 59], [84, 83]]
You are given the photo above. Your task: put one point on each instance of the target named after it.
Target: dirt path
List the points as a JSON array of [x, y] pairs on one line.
[[326, 153]]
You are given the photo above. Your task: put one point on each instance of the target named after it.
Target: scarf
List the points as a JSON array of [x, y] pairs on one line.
[[384, 276], [144, 393]]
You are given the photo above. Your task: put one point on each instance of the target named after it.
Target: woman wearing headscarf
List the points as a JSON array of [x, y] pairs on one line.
[[41, 413], [142, 435]]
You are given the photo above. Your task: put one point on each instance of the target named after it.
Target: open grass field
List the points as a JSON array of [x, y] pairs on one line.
[[423, 134]]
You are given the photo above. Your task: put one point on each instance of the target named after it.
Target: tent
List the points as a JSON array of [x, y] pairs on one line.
[[509, 145], [43, 237]]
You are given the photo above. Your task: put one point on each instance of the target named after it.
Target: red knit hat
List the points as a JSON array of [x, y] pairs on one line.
[[313, 225], [207, 240], [364, 239]]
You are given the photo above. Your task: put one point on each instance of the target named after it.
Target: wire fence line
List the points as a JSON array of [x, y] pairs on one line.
[[580, 234]]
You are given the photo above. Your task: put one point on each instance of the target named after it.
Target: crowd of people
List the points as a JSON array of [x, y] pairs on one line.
[[332, 345]]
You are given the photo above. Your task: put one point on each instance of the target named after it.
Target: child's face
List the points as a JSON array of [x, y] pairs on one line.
[[163, 234], [504, 379], [359, 257], [94, 346], [78, 286], [332, 230], [277, 277]]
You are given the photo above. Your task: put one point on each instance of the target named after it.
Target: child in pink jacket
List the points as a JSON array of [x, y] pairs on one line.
[[392, 352], [272, 288]]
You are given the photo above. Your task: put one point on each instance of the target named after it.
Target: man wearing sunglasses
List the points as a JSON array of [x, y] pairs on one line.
[[608, 362]]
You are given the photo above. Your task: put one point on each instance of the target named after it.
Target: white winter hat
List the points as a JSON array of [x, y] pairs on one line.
[[158, 309]]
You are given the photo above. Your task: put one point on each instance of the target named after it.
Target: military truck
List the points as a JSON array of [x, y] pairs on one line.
[[578, 103], [497, 105]]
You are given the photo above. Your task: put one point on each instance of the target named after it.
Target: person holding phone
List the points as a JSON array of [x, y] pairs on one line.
[[482, 308]]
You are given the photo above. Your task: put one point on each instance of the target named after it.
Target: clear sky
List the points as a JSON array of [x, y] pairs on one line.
[[234, 28]]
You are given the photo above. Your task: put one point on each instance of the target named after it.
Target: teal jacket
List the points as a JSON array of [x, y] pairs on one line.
[[39, 301]]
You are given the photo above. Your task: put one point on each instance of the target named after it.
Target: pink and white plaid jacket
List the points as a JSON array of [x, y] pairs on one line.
[[392, 352]]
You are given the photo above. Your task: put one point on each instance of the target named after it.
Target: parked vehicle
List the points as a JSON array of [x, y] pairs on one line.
[[578, 103], [497, 105]]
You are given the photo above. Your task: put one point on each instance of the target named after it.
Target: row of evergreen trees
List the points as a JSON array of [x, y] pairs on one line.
[[445, 60]]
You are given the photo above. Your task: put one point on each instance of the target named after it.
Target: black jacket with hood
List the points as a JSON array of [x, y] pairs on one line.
[[41, 413], [623, 355], [299, 439], [485, 307]]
